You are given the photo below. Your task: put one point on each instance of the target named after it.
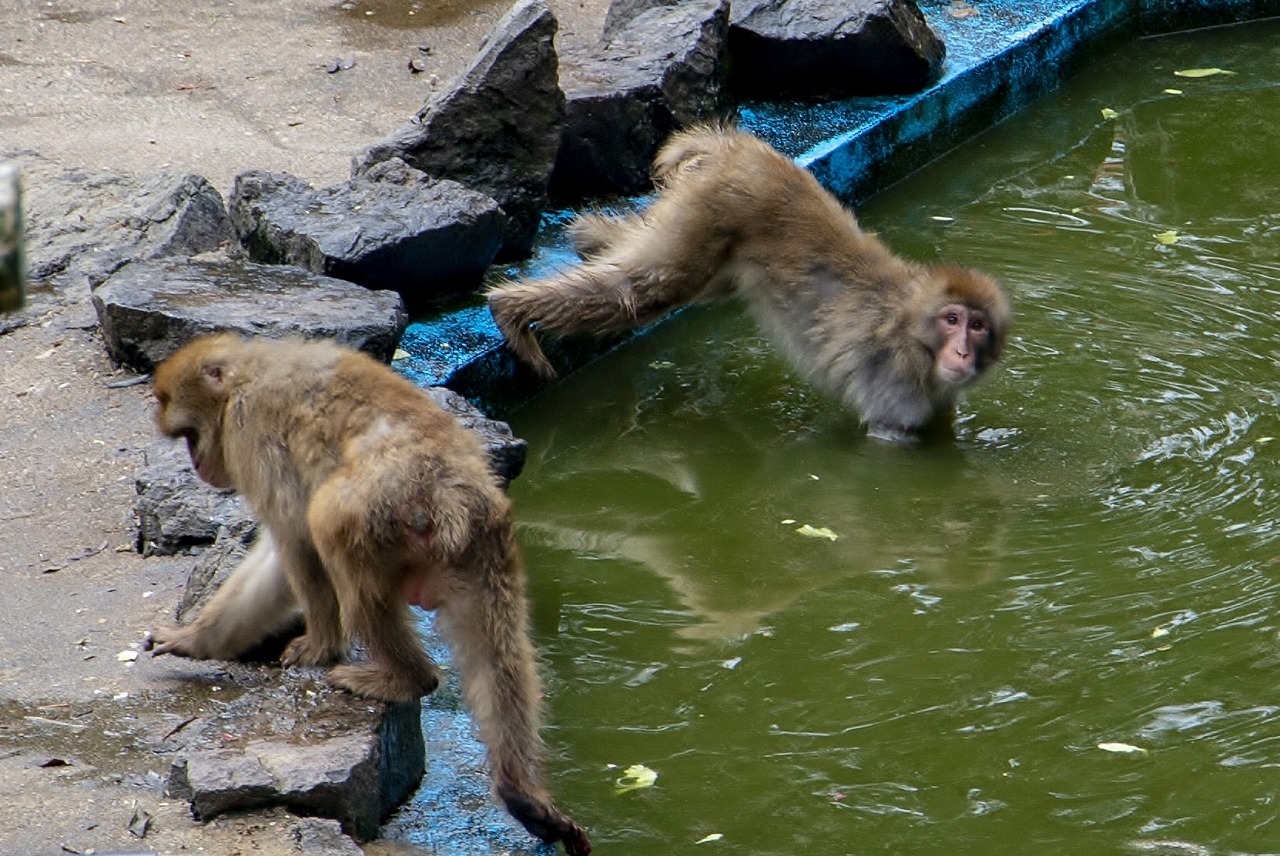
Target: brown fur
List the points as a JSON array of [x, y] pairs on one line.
[[368, 494], [734, 216]]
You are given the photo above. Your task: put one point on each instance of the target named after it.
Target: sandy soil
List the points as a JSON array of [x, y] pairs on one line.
[[137, 85]]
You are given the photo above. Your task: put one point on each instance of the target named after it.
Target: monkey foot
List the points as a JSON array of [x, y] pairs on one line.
[[372, 681], [306, 650], [545, 822]]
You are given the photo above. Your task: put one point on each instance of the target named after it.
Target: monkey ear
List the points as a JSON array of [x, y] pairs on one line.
[[213, 376]]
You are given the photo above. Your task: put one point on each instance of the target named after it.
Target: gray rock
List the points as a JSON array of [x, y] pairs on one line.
[[496, 128], [506, 451], [83, 225], [147, 310], [175, 511], [662, 70], [346, 764], [623, 12], [212, 569], [830, 48], [316, 837], [390, 227]]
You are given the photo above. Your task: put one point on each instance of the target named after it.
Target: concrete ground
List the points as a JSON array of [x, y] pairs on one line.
[[137, 85]]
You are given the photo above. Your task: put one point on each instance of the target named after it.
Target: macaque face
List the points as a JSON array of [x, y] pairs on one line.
[[964, 333], [191, 402]]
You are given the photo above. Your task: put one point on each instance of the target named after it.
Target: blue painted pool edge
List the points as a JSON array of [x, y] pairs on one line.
[[993, 71]]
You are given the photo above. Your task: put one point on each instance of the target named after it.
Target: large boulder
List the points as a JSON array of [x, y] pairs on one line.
[[830, 48], [659, 71], [390, 227], [147, 310], [496, 128]]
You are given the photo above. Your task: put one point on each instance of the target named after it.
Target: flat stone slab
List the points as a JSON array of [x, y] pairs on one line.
[[317, 752], [147, 310]]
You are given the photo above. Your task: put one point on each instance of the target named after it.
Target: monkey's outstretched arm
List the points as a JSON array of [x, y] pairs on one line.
[[254, 604]]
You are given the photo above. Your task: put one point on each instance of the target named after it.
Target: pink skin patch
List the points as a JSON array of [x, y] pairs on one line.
[[420, 590]]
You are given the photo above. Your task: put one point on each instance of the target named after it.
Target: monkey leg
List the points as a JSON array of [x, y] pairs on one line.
[[595, 234], [365, 560], [255, 603], [400, 669], [323, 642], [595, 298]]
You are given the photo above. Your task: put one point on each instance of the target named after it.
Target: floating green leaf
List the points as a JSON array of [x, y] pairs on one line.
[[400, 354], [1122, 748], [817, 532], [707, 839], [1201, 72], [1168, 238], [1108, 113], [1172, 91], [635, 777]]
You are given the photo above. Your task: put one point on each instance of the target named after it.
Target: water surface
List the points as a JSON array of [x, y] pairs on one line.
[[1091, 559]]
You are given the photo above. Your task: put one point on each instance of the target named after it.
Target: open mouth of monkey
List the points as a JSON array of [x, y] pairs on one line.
[[193, 443]]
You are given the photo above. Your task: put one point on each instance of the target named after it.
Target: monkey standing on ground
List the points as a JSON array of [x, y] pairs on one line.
[[895, 341], [371, 498]]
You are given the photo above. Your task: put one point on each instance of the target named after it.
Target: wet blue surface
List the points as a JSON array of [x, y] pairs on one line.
[[998, 61]]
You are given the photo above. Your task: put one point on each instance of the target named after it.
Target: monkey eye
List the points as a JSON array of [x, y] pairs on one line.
[[977, 325], [951, 318]]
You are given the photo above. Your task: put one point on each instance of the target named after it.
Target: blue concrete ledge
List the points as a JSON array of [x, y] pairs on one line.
[[998, 61]]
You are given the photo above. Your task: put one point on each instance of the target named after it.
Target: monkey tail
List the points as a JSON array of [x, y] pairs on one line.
[[488, 631], [689, 150]]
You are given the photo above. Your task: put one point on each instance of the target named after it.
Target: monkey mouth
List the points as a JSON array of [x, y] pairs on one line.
[[198, 463], [955, 375]]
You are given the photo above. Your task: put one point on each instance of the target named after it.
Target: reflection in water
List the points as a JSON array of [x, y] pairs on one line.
[[1091, 558]]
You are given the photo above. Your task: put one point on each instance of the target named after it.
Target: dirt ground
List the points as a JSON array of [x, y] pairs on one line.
[[139, 85]]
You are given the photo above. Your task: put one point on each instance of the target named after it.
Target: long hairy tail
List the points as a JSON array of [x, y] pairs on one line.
[[487, 627], [692, 149]]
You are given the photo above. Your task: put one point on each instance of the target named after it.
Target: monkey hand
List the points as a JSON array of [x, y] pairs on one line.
[[178, 641], [895, 434], [545, 822]]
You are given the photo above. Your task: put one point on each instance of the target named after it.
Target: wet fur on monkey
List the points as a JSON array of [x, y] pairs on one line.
[[370, 498], [895, 341]]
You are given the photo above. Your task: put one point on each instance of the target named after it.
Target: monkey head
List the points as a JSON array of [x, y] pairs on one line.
[[965, 331], [191, 387]]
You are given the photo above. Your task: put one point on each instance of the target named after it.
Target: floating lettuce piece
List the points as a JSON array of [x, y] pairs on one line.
[[1122, 748], [817, 532], [635, 777], [1201, 72]]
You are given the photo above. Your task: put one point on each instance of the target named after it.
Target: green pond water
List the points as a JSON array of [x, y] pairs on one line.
[[1092, 559]]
